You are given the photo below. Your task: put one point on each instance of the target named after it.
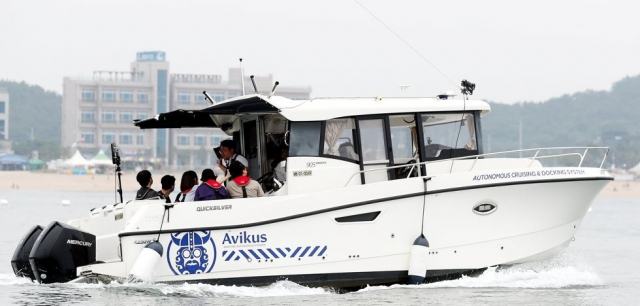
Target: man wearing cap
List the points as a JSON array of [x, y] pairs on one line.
[[210, 189], [168, 185]]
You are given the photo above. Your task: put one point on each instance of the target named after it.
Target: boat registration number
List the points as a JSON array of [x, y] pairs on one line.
[[302, 173]]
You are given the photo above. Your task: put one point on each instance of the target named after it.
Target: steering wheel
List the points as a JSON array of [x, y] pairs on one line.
[[404, 171], [264, 177]]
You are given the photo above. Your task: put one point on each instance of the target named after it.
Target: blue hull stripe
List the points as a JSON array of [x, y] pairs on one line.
[[305, 251], [281, 252], [296, 252], [254, 254], [246, 256], [322, 251], [314, 250], [273, 253], [264, 254]]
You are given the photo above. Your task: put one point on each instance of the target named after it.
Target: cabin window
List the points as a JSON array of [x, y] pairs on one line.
[[304, 139], [339, 138], [448, 135], [404, 144]]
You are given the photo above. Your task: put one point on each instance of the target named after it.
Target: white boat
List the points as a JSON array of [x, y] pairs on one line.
[[365, 178]]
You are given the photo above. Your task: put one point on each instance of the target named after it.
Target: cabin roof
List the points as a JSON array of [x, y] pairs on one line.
[[317, 109]]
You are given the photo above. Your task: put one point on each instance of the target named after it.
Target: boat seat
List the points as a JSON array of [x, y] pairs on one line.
[[346, 150]]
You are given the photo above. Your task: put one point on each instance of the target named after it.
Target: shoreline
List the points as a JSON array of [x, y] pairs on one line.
[[25, 180]]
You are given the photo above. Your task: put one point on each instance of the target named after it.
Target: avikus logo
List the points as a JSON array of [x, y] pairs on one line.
[[243, 237], [78, 242]]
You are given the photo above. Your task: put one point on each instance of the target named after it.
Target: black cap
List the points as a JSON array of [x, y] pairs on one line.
[[207, 174], [167, 181]]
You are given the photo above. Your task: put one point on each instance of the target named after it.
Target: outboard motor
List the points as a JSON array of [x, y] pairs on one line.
[[20, 259], [59, 250]]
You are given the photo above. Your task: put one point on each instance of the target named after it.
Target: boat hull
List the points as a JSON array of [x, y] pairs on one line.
[[351, 243]]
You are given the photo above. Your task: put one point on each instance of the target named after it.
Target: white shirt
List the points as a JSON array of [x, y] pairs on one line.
[[191, 195], [239, 158]]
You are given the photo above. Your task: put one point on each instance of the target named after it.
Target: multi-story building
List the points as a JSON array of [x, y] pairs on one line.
[[4, 114], [100, 110]]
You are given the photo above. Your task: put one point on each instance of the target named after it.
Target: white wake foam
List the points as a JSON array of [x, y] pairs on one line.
[[564, 270], [11, 279]]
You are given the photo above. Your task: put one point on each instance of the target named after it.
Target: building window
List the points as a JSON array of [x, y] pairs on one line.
[[109, 95], [183, 140], [184, 97], [215, 140], [88, 95], [218, 96], [200, 99], [2, 107], [200, 140], [108, 116], [126, 117], [143, 97], [108, 138], [88, 137], [140, 139], [126, 138], [88, 116], [142, 115], [126, 96], [2, 128]]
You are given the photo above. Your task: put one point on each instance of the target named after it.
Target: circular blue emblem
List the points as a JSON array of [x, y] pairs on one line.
[[191, 253]]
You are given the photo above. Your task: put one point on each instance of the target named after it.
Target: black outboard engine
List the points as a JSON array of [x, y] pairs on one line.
[[59, 250], [20, 259]]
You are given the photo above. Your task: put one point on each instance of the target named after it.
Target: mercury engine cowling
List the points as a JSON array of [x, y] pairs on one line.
[[20, 259], [59, 250]]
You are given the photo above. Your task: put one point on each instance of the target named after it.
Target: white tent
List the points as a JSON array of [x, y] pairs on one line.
[[635, 169], [76, 161], [101, 159]]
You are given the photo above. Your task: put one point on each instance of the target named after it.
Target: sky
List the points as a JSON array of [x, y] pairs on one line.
[[513, 51]]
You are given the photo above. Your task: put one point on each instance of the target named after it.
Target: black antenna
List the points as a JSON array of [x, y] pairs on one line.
[[467, 87], [242, 76], [254, 85], [208, 98], [274, 89], [115, 158]]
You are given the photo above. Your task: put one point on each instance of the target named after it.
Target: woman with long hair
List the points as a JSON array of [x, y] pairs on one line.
[[188, 187]]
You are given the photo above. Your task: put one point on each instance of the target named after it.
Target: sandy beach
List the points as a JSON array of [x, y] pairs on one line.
[[101, 182]]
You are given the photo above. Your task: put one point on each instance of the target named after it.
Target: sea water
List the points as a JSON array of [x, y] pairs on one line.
[[602, 267]]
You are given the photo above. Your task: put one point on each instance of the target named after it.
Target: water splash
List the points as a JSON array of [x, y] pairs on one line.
[[562, 271], [10, 280]]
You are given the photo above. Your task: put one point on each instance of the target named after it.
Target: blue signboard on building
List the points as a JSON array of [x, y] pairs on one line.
[[150, 56]]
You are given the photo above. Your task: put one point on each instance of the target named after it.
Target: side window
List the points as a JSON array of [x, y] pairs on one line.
[[304, 139], [339, 138], [449, 135], [404, 139]]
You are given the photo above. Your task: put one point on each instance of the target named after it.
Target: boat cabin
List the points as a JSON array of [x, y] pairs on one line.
[[337, 142]]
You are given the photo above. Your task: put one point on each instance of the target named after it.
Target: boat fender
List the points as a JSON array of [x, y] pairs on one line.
[[142, 270], [418, 260]]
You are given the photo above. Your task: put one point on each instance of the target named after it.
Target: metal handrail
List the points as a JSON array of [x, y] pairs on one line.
[[476, 157]]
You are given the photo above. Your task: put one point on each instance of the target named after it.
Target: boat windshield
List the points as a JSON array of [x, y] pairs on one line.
[[449, 135]]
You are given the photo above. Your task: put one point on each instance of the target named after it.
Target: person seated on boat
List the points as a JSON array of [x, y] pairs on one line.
[[145, 191], [168, 183], [188, 187], [241, 185], [228, 154], [210, 189], [280, 163]]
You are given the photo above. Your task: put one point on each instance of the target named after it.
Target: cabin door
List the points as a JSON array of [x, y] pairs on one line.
[[376, 152], [251, 147]]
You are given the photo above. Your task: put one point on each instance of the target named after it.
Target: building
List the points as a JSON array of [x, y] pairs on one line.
[[99, 110], [5, 144]]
